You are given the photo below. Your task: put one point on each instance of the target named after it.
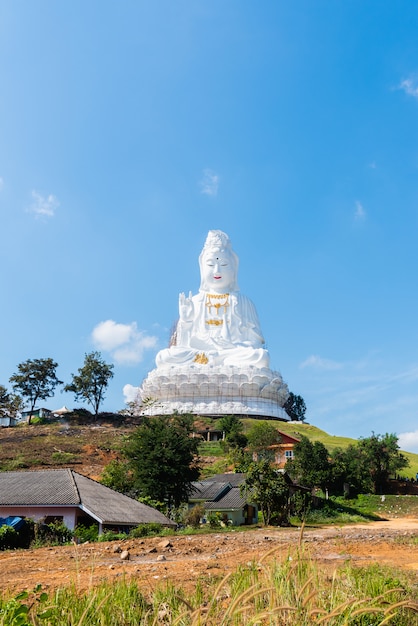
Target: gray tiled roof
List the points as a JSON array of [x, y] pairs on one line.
[[234, 478], [231, 500], [38, 488], [112, 507], [208, 490], [66, 487]]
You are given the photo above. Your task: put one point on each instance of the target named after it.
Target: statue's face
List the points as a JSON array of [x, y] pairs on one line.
[[218, 273]]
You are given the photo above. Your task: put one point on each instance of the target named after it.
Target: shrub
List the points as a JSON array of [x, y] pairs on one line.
[[193, 516], [52, 534], [111, 535], [62, 458], [86, 533], [145, 530], [11, 537], [214, 520], [8, 538]]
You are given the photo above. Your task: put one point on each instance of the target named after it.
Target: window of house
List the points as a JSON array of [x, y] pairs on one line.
[[289, 454]]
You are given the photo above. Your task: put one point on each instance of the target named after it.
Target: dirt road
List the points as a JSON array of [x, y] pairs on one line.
[[183, 560]]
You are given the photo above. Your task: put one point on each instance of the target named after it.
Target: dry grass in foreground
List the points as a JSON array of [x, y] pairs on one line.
[[295, 590]]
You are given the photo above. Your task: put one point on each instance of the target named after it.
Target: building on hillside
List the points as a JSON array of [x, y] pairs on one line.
[[8, 420], [211, 434], [62, 412], [279, 453], [41, 412], [66, 496]]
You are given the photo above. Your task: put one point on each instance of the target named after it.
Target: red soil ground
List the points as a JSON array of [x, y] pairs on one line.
[[189, 558]]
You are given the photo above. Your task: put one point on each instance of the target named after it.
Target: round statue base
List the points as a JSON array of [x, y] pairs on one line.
[[214, 391]]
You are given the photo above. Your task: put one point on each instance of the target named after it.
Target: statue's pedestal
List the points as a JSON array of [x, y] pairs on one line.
[[214, 391]]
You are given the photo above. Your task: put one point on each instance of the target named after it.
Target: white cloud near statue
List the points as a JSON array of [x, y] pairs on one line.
[[125, 342]]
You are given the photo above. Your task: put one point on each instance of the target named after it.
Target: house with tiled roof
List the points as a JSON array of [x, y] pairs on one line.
[[64, 495], [278, 453], [221, 494]]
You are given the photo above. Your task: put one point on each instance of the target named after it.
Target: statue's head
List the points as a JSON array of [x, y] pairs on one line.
[[218, 263]]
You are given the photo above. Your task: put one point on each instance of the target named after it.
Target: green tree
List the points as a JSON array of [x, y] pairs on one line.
[[381, 459], [162, 456], [367, 465], [347, 470], [4, 396], [10, 404], [35, 380], [230, 423], [268, 488], [295, 407], [232, 426], [117, 476], [241, 459], [261, 436], [310, 466], [92, 380]]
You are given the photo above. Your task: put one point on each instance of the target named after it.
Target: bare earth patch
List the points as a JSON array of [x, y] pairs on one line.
[[188, 558]]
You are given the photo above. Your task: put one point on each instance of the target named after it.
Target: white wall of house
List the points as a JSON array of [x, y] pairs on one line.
[[6, 421], [69, 514], [236, 516]]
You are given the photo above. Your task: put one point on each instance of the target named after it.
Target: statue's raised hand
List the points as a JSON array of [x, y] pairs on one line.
[[186, 308]]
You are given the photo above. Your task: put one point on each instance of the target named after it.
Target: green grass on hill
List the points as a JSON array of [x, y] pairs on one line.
[[297, 429], [331, 442]]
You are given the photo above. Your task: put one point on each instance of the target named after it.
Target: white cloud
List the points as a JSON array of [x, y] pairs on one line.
[[1, 183], [109, 335], [209, 183], [43, 206], [410, 87], [130, 393], [319, 363], [360, 213], [408, 441], [125, 342]]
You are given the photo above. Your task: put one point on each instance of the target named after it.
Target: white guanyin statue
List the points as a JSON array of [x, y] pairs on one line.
[[216, 363], [218, 326]]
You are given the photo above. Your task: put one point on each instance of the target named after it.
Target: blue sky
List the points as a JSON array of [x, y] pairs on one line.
[[128, 130]]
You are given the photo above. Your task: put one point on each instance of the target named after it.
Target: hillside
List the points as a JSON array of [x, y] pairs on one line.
[[88, 447], [331, 441]]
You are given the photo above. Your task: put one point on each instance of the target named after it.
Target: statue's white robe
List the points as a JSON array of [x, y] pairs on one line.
[[236, 338]]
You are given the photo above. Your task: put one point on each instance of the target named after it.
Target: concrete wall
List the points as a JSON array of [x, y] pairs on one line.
[[69, 514]]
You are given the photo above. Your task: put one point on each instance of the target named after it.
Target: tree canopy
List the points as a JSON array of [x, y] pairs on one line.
[[4, 400], [91, 381], [295, 407], [364, 466], [35, 379], [310, 465], [10, 403], [162, 456], [261, 436], [268, 488], [368, 464], [232, 426]]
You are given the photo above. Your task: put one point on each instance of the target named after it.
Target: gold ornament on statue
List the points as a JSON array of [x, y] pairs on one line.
[[223, 302], [201, 358]]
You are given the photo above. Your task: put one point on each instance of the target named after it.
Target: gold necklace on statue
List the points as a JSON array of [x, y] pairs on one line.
[[216, 301]]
